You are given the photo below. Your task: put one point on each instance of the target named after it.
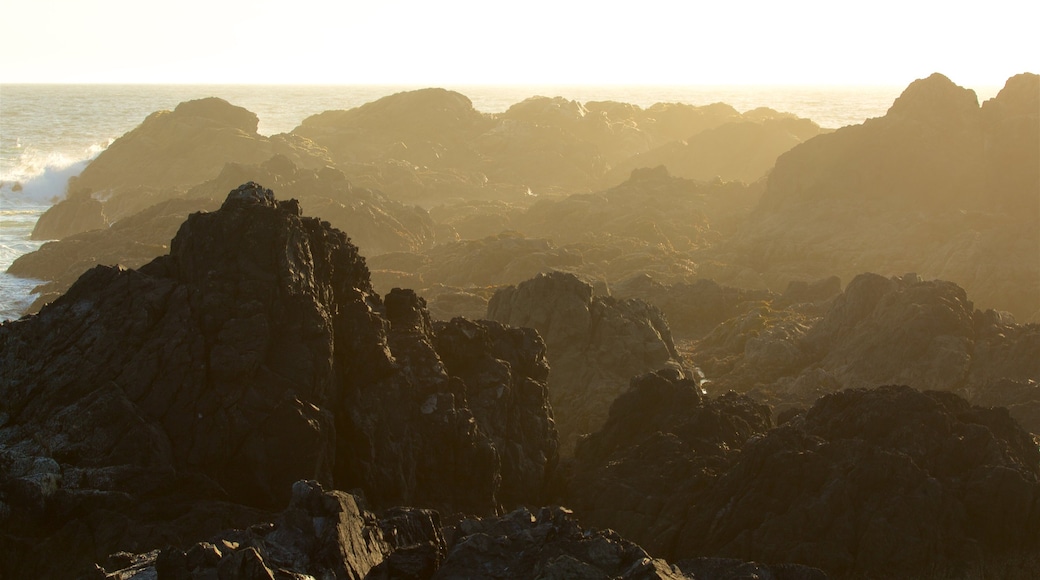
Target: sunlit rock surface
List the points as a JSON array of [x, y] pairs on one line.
[[939, 186]]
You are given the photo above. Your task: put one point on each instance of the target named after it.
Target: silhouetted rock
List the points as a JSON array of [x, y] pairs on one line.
[[594, 345], [377, 224], [662, 445], [505, 373], [937, 186], [322, 534], [181, 398], [888, 481]]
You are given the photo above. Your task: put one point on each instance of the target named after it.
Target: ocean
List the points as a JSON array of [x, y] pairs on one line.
[[49, 133]]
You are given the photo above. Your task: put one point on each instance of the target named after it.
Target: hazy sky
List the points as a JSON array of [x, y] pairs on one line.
[[432, 42]]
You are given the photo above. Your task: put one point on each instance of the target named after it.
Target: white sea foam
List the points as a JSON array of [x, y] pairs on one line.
[[40, 178]]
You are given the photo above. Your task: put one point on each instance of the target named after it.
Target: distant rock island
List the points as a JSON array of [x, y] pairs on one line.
[[570, 340]]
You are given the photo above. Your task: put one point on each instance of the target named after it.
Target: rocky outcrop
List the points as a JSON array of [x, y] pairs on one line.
[[255, 354], [78, 212], [322, 534], [595, 344], [888, 481], [377, 224], [938, 186], [431, 144], [663, 444], [926, 334], [328, 535], [169, 152], [505, 374], [867, 482]]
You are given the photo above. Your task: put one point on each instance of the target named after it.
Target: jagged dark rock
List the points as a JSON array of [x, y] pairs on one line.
[[662, 445], [594, 344], [879, 482], [187, 396], [377, 224]]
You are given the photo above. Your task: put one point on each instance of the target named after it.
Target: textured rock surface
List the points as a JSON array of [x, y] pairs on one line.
[[178, 399], [880, 482], [662, 445], [327, 535], [594, 344]]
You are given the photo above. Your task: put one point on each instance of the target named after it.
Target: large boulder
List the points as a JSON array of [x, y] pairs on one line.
[[594, 344], [255, 354]]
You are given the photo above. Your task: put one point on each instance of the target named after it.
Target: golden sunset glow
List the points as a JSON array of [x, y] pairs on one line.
[[464, 42]]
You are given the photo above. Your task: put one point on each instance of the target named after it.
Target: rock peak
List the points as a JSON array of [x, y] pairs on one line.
[[250, 193], [935, 100]]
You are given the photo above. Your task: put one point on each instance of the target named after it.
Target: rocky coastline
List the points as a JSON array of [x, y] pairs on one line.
[[411, 340]]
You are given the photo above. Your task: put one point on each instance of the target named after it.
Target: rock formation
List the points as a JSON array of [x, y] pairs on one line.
[[867, 482], [926, 334], [169, 152], [663, 444], [376, 223], [881, 482], [410, 543], [938, 186], [595, 344], [189, 395]]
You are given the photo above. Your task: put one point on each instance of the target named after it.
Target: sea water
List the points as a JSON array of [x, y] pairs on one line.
[[49, 133]]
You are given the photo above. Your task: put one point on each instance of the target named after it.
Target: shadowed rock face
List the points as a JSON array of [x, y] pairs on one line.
[[410, 543], [253, 355], [867, 482], [938, 186], [883, 481], [662, 445], [594, 344]]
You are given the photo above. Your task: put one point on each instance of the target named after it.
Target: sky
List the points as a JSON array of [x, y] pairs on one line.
[[451, 42]]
